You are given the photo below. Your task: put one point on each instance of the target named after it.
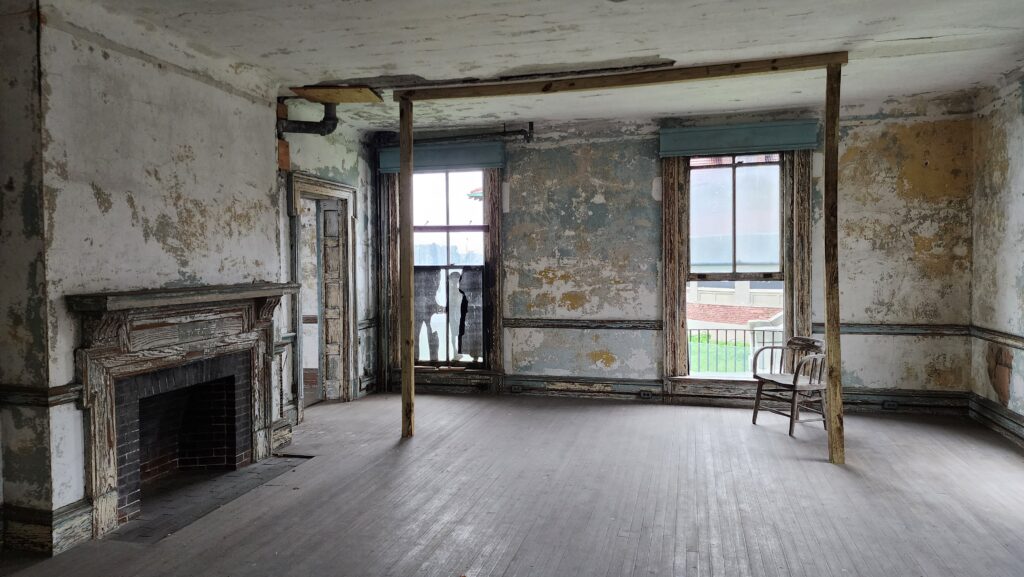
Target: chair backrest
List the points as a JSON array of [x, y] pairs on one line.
[[784, 361]]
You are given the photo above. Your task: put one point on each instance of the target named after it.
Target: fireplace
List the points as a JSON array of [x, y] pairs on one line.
[[193, 417], [172, 379]]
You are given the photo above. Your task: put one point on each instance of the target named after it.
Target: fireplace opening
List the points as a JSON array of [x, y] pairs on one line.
[[196, 417]]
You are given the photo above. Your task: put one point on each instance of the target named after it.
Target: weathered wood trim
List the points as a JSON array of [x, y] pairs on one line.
[[122, 343], [788, 210], [801, 225], [494, 272], [998, 337], [830, 209], [367, 324], [40, 396], [138, 299], [583, 324], [551, 385], [998, 418], [624, 79], [45, 531], [925, 330], [669, 260], [389, 196]]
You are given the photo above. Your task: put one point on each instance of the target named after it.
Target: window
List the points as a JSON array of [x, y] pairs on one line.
[[448, 261], [734, 287]]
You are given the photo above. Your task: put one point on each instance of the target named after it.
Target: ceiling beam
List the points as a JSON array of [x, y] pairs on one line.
[[624, 79]]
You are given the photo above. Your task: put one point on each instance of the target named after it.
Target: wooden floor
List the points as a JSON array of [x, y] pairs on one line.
[[515, 486]]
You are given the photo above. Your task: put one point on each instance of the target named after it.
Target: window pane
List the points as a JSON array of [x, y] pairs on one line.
[[467, 248], [757, 219], [428, 199], [430, 248], [757, 158], [466, 198], [726, 327], [711, 220], [710, 160], [430, 332], [465, 319]]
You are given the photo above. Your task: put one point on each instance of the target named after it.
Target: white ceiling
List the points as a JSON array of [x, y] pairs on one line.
[[898, 48]]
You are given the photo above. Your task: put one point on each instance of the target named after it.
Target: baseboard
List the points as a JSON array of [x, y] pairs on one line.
[[1000, 419], [48, 532]]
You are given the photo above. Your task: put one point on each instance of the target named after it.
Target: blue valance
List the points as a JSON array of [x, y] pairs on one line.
[[740, 138], [447, 156]]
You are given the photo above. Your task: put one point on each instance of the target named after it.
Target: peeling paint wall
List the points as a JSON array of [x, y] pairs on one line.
[[344, 157], [23, 331], [152, 180], [22, 302], [905, 243], [581, 240], [998, 274]]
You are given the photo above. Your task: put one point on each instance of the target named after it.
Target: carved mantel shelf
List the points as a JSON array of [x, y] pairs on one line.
[[126, 300], [134, 332]]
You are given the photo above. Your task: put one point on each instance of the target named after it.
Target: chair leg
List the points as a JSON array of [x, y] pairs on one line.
[[824, 414], [757, 400], [794, 408]]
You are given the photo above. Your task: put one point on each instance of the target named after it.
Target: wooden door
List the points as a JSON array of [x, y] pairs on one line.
[[334, 298]]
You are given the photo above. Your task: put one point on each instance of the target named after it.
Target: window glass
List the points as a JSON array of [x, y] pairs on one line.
[[428, 204], [467, 248], [465, 198], [430, 248], [711, 220], [757, 219]]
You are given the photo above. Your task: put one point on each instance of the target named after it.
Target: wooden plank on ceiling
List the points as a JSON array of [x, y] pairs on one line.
[[625, 79]]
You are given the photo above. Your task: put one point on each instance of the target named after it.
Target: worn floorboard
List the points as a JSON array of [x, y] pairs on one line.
[[519, 486]]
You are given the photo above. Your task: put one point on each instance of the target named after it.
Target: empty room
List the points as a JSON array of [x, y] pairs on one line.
[[508, 288]]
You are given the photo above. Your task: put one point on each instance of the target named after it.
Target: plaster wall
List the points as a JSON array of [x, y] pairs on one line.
[[998, 274], [905, 243], [23, 337], [581, 240]]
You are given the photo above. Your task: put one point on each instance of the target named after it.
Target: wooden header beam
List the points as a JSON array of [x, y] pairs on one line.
[[625, 79]]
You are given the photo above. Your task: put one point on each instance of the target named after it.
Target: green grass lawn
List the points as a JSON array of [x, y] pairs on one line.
[[715, 357]]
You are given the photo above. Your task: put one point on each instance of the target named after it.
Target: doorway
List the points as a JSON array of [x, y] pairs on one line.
[[323, 260]]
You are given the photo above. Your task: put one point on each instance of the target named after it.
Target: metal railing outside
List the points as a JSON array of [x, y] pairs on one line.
[[723, 351]]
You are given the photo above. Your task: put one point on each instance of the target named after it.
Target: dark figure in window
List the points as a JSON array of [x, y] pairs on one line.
[[471, 327], [425, 304], [456, 298]]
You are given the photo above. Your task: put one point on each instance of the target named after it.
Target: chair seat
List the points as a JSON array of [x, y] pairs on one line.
[[786, 380]]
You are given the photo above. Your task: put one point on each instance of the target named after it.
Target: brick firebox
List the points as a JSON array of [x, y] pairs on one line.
[[195, 416]]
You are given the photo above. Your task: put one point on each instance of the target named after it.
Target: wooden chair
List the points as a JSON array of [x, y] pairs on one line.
[[793, 374]]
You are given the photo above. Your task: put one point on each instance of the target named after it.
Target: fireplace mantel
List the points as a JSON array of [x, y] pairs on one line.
[[127, 300], [125, 334]]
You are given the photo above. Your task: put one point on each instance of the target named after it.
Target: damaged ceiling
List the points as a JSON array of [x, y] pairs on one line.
[[897, 49]]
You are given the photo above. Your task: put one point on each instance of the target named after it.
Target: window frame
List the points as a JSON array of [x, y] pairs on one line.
[[795, 265], [735, 275], [485, 228]]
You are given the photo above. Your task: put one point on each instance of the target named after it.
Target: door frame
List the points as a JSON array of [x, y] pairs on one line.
[[306, 186]]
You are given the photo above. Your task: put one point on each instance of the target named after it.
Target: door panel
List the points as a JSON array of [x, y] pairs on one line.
[[334, 333]]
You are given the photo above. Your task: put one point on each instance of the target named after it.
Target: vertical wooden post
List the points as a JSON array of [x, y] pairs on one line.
[[405, 252], [834, 393]]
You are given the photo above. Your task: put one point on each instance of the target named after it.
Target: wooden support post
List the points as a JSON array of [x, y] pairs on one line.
[[405, 252], [834, 392]]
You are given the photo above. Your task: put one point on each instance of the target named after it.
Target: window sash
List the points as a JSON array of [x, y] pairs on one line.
[[733, 164]]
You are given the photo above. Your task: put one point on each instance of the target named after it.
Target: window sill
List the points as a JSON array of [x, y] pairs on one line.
[[713, 379]]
